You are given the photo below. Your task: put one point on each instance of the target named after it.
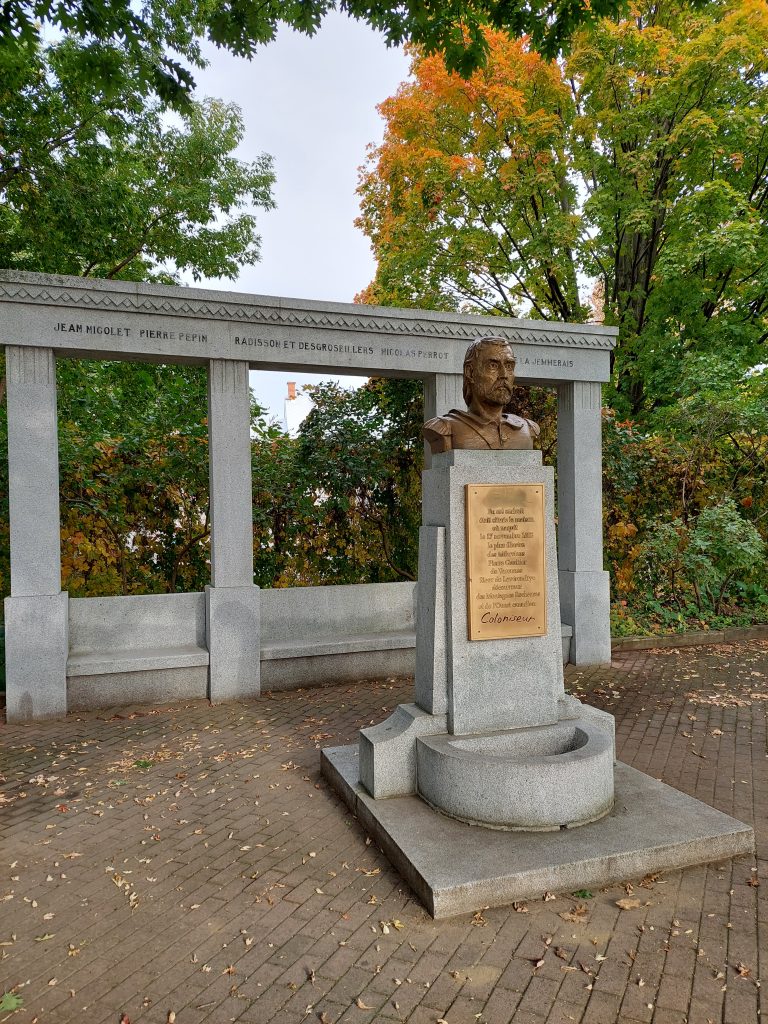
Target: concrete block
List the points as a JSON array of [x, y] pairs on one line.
[[140, 621], [292, 673], [388, 750], [455, 868], [307, 614], [150, 686], [233, 625], [431, 653], [586, 604], [36, 647]]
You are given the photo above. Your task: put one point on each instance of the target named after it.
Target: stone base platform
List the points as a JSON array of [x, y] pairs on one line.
[[455, 868]]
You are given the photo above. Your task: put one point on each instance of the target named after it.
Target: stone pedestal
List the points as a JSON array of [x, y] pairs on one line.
[[494, 741], [492, 738]]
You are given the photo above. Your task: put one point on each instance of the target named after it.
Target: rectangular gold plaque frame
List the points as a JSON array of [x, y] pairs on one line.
[[506, 561]]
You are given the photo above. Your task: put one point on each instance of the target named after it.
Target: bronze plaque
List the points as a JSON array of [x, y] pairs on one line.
[[506, 562]]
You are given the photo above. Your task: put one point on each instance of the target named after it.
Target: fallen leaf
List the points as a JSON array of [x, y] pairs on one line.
[[562, 953], [43, 938], [519, 907], [549, 896], [575, 914], [742, 970], [171, 1017], [628, 904], [361, 1005]]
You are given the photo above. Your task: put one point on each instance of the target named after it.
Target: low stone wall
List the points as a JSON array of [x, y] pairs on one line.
[[152, 649], [141, 649], [314, 635], [729, 635]]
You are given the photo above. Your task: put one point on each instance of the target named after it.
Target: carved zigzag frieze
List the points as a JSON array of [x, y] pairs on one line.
[[246, 313]]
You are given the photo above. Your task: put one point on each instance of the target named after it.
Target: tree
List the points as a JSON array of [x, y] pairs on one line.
[[468, 202], [454, 27], [341, 503], [105, 184], [641, 161], [100, 184], [671, 141]]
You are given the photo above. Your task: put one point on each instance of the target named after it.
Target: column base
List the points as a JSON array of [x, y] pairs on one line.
[[585, 603], [36, 650], [233, 634]]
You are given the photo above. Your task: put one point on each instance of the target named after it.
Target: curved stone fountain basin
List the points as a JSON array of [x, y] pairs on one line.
[[537, 779]]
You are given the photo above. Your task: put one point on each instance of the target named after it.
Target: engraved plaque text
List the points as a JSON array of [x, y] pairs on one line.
[[506, 566]]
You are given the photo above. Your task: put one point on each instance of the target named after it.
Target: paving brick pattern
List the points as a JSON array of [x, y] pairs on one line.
[[189, 860]]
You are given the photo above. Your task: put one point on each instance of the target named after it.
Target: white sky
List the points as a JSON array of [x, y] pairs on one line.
[[311, 104]]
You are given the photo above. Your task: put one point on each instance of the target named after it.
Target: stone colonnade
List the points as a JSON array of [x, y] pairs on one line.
[[43, 317], [36, 612]]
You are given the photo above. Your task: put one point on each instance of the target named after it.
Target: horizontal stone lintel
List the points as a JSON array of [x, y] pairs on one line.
[[115, 319]]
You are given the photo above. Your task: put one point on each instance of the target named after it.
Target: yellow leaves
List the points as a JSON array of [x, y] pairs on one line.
[[622, 530]]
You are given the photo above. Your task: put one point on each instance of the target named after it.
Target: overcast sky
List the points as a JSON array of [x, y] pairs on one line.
[[311, 104]]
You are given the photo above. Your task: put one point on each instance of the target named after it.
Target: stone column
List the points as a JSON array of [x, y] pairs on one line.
[[36, 623], [232, 601], [584, 587], [442, 391]]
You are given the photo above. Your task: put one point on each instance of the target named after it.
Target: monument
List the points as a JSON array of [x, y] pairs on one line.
[[66, 653], [495, 785]]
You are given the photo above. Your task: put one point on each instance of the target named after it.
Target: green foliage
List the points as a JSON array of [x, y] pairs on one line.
[[133, 452], [701, 562], [99, 183], [341, 502], [685, 511], [641, 161], [9, 1002], [146, 32]]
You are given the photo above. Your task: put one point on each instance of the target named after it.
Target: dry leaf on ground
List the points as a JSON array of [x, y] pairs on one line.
[[575, 914]]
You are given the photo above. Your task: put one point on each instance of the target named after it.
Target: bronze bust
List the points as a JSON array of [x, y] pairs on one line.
[[489, 377]]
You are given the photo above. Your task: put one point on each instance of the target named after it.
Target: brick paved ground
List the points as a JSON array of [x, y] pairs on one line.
[[190, 859]]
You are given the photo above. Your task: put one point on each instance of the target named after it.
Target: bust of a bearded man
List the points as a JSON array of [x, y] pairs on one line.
[[489, 377]]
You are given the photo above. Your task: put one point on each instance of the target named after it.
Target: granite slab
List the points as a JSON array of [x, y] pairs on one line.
[[456, 868]]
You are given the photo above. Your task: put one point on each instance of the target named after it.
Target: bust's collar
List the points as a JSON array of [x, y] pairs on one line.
[[511, 420]]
